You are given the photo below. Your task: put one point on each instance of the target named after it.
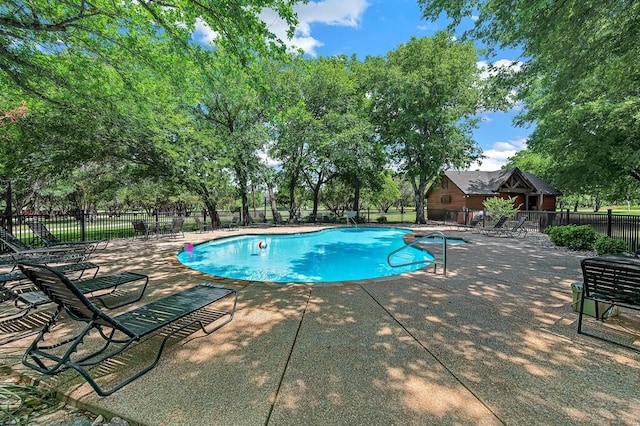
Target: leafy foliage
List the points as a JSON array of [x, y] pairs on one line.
[[578, 77], [321, 127], [20, 402], [608, 245], [423, 98], [497, 207], [577, 238], [41, 40]]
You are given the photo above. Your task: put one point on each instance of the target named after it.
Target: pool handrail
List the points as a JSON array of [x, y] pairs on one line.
[[431, 234]]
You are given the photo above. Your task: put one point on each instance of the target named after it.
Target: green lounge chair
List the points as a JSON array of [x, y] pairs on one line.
[[106, 288], [172, 316], [517, 230], [16, 245], [41, 231], [495, 228]]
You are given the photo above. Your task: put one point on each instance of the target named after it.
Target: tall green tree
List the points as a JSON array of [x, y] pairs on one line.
[[423, 96], [579, 77], [321, 128], [235, 108], [103, 79]]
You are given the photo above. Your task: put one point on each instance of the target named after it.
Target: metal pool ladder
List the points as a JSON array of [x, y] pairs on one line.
[[440, 258]]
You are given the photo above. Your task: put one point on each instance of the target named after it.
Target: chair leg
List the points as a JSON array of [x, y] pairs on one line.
[[580, 313]]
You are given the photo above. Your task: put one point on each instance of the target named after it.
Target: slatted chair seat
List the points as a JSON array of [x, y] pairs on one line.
[[119, 332], [25, 298], [111, 282], [158, 314]]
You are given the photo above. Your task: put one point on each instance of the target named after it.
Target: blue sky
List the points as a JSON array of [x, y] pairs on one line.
[[375, 27]]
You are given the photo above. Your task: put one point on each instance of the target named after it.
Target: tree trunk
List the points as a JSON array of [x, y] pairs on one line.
[[356, 196], [212, 211], [272, 202], [315, 188], [316, 201], [292, 198], [418, 192], [246, 217]]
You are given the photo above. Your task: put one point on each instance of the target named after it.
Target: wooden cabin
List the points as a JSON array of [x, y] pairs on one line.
[[459, 191]]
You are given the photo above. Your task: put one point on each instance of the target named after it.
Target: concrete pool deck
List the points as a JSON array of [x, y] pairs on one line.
[[492, 342]]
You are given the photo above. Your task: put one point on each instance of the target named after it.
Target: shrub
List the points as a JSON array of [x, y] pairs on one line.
[[573, 237], [608, 245], [497, 207], [556, 234], [382, 219]]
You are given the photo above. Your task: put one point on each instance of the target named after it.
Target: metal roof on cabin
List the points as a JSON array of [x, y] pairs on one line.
[[487, 183]]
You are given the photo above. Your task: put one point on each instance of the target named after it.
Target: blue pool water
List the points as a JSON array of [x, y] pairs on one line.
[[340, 254]]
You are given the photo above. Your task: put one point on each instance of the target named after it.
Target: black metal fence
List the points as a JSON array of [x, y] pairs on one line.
[[98, 226], [622, 226], [91, 226]]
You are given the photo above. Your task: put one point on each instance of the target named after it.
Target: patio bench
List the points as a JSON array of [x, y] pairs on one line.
[[614, 280]]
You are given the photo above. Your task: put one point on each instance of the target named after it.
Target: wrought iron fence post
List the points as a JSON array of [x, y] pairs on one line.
[[609, 220], [83, 226], [8, 210]]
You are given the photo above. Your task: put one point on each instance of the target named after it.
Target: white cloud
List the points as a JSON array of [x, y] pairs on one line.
[[499, 65], [499, 154], [203, 33], [346, 13]]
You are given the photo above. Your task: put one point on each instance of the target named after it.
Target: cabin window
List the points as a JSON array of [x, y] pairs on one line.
[[445, 199]]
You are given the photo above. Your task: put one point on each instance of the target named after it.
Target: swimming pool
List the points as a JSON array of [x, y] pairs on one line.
[[330, 255]]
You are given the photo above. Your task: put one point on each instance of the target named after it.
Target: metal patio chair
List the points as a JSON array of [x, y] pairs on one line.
[[141, 228], [202, 226], [175, 228]]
